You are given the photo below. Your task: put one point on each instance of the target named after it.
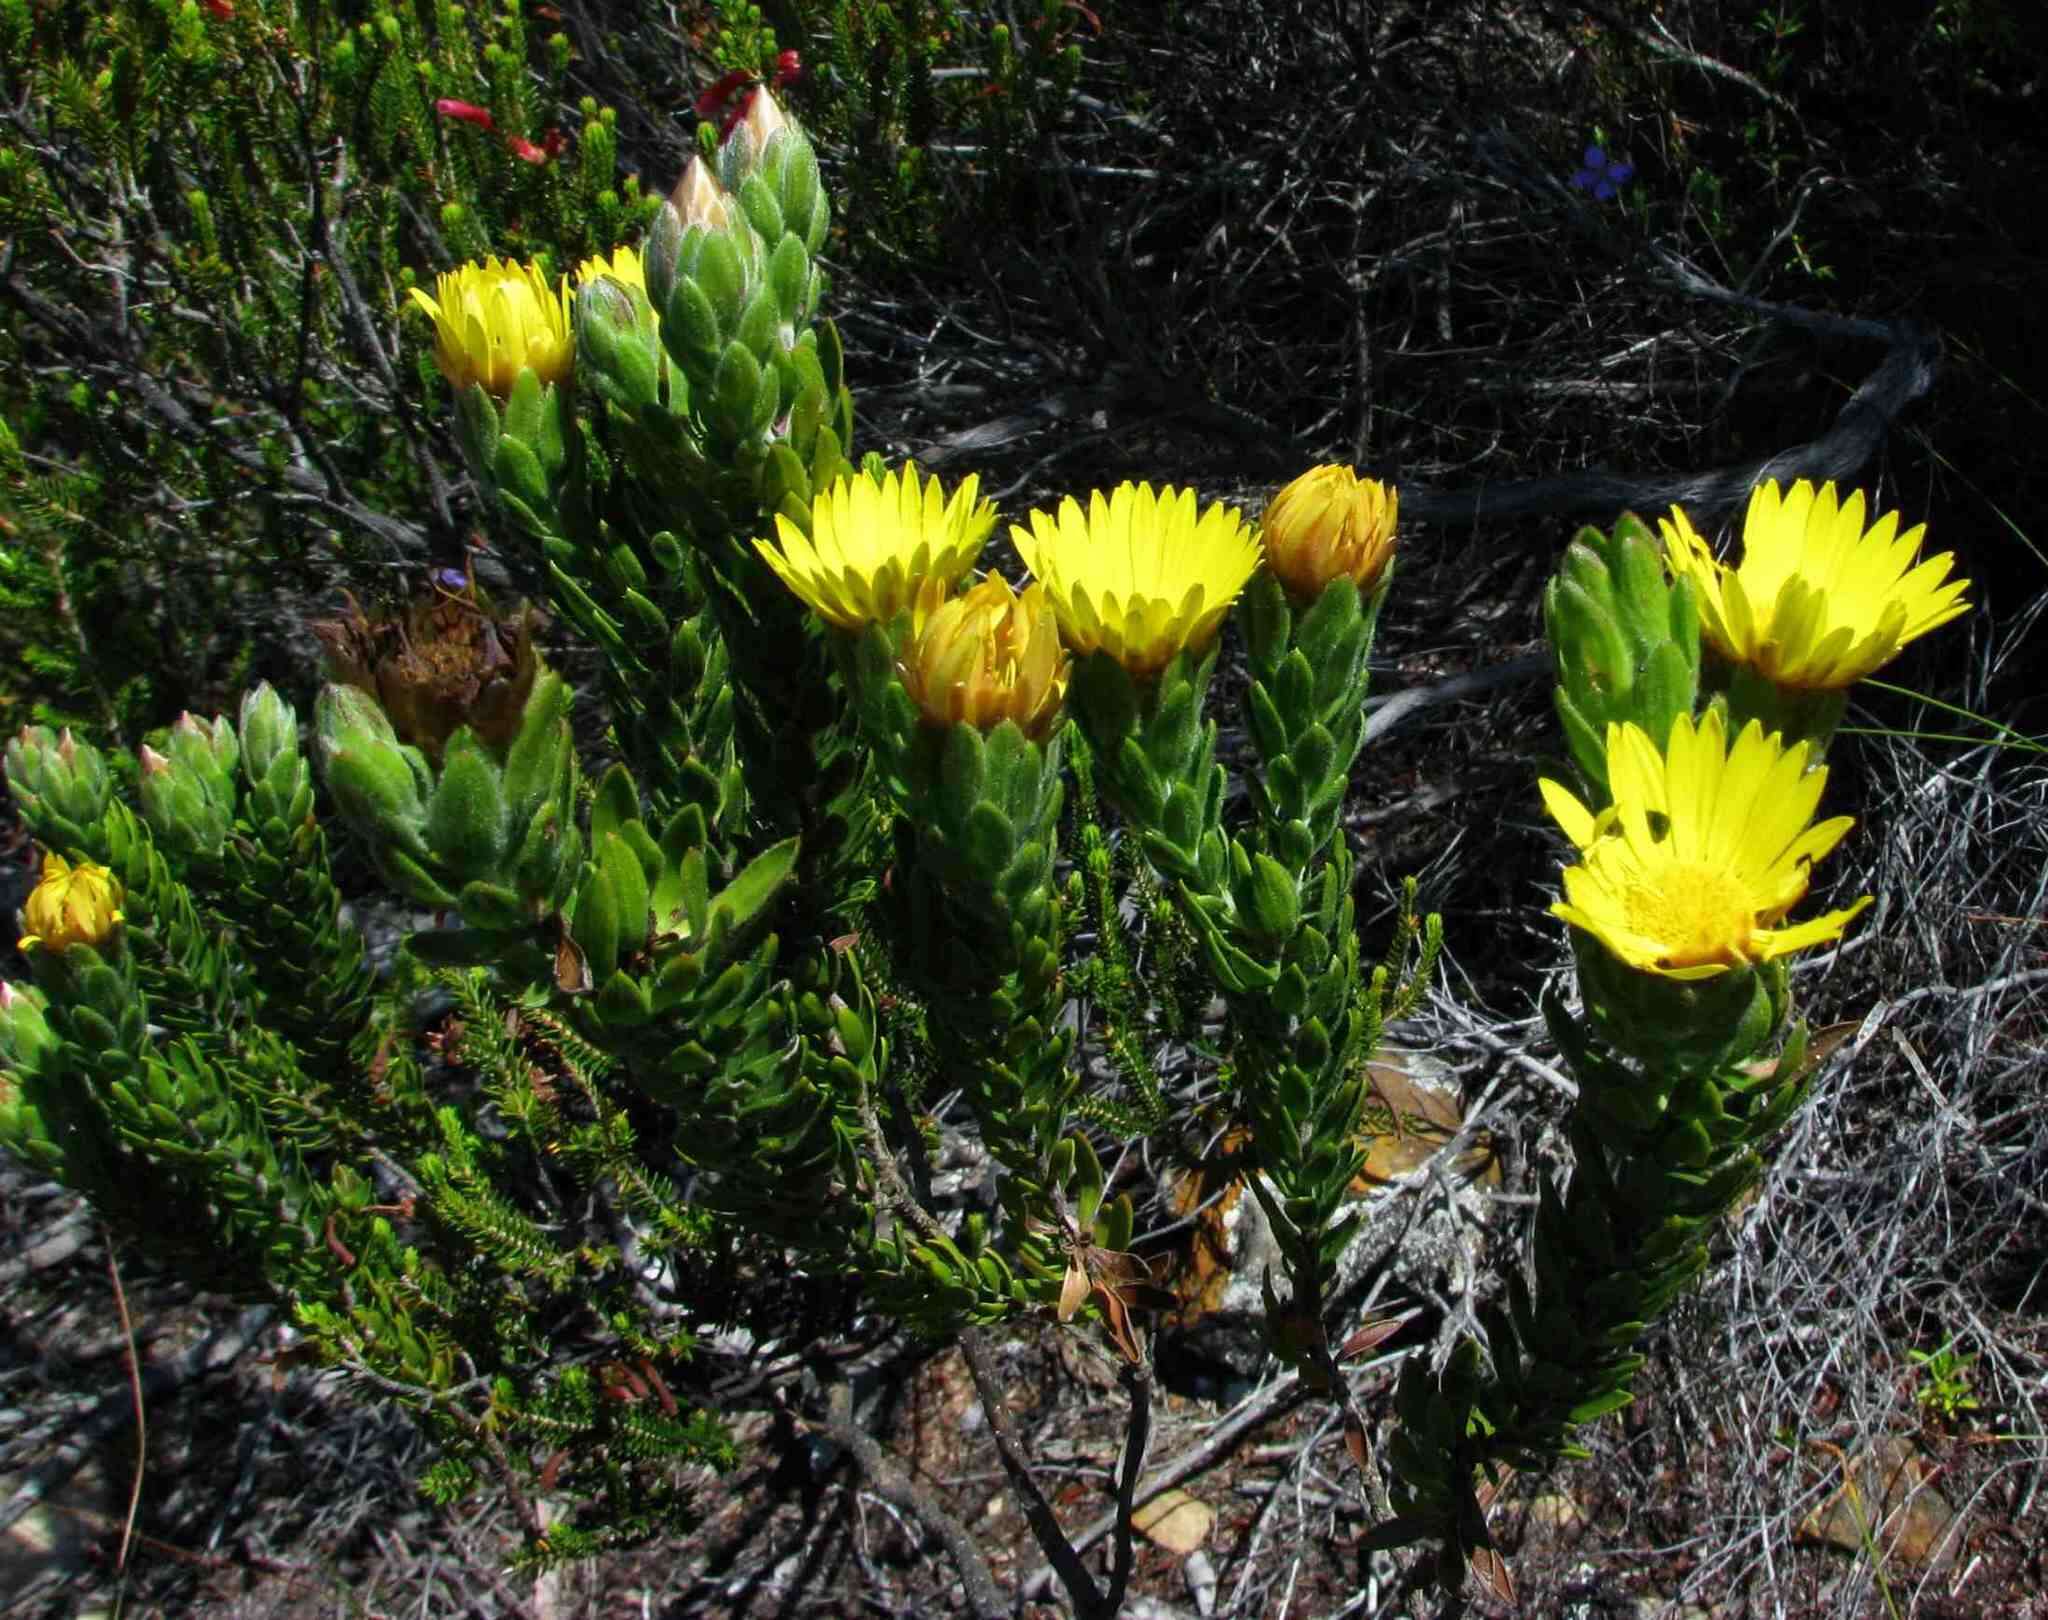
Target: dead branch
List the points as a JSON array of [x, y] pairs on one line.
[[888, 1479]]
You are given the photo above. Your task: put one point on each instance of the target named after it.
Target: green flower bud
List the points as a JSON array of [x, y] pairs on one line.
[[182, 806], [379, 784], [747, 145], [704, 264], [26, 1039], [806, 206], [280, 781], [30, 1052], [61, 786], [1627, 643], [619, 351], [208, 748], [269, 733]]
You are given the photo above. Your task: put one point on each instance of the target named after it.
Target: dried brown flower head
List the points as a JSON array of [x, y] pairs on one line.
[[448, 659]]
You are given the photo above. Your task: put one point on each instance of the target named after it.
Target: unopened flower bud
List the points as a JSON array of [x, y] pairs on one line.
[[700, 200], [990, 656], [189, 790], [208, 746], [764, 117], [616, 338], [270, 731], [1330, 524], [744, 148], [61, 787], [25, 1033]]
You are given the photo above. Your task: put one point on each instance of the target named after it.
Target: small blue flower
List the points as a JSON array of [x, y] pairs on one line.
[[1602, 175]]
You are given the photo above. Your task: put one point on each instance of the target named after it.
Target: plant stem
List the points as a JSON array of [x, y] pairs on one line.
[[1045, 1525]]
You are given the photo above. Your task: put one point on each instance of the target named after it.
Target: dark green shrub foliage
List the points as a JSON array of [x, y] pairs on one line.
[[213, 213]]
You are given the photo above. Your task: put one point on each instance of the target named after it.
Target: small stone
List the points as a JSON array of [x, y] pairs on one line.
[[1886, 1500]]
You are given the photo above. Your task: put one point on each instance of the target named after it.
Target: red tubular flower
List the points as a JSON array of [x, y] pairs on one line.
[[520, 147], [709, 103], [736, 114], [466, 112], [789, 67], [222, 9]]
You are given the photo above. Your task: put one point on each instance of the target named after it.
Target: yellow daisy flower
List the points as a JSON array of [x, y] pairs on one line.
[[1706, 848], [496, 319], [72, 905], [988, 656], [1140, 575], [874, 547], [1330, 524], [1816, 602]]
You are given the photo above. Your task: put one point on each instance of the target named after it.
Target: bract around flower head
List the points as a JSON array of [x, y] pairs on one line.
[[1705, 850], [1817, 601], [1140, 575]]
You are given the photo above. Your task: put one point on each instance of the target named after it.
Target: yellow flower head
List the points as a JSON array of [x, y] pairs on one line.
[[988, 656], [1816, 602], [873, 547], [72, 905], [623, 265], [1705, 850], [1139, 575], [496, 319], [1330, 524]]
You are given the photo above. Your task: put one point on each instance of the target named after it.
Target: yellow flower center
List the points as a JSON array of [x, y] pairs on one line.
[[1699, 913]]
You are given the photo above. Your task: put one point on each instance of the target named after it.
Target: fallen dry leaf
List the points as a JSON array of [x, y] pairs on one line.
[[1174, 1520], [1407, 1121]]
